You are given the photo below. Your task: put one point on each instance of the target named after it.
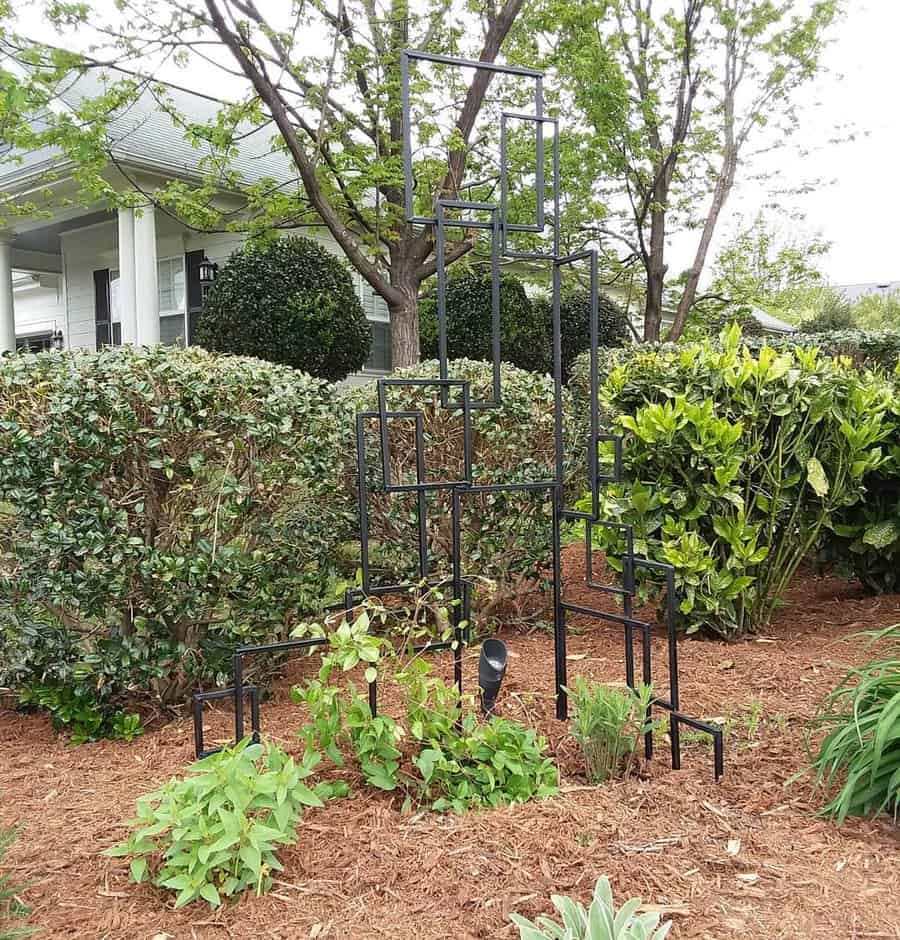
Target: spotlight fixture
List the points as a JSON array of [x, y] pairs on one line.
[[491, 669]]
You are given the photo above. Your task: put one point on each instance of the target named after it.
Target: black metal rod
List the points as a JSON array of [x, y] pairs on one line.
[[456, 395]]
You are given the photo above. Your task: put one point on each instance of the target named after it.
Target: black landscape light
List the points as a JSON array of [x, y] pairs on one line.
[[491, 669]]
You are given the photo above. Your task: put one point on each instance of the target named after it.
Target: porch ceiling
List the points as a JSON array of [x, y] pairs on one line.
[[45, 239]]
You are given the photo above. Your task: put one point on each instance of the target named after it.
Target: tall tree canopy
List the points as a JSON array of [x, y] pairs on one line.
[[322, 78], [671, 94]]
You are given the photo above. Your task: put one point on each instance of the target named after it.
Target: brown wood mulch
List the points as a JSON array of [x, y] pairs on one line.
[[743, 858]]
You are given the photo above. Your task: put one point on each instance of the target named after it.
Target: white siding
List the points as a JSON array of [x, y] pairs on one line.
[[38, 305], [85, 251]]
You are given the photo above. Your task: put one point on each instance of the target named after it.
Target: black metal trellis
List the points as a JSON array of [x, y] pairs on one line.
[[455, 394]]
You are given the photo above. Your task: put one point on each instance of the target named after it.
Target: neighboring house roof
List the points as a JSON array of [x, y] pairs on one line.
[[144, 135], [855, 291], [771, 324]]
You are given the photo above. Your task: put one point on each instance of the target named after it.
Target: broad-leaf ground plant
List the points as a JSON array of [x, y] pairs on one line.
[[735, 465], [600, 921], [216, 831], [159, 506], [439, 754], [858, 761]]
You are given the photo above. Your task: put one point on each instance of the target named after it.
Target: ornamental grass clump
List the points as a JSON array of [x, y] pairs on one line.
[[12, 909], [608, 724], [858, 761]]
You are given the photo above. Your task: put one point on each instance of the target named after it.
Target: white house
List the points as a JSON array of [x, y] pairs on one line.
[[95, 274]]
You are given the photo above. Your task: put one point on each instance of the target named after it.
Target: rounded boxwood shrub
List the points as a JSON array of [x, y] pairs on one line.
[[469, 324], [575, 326], [526, 334], [160, 506], [288, 301]]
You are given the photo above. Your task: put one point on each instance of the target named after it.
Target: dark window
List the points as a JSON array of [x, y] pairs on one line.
[[37, 342], [192, 261], [108, 333], [380, 357]]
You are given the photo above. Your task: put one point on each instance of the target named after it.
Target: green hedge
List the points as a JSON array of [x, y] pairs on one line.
[[506, 536], [470, 327], [160, 505], [865, 348], [736, 465], [526, 325]]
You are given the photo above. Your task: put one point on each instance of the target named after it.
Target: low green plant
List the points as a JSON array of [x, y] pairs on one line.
[[11, 907], [80, 714], [608, 724], [454, 762], [858, 761], [601, 921], [488, 763], [215, 832]]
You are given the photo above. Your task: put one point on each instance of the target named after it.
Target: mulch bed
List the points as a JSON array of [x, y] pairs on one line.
[[742, 858]]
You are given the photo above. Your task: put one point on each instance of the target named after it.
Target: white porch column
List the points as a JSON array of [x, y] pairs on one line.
[[7, 314], [146, 276], [127, 299]]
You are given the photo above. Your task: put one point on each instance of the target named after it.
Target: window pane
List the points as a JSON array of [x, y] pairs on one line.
[[115, 297], [171, 330], [171, 285], [380, 357]]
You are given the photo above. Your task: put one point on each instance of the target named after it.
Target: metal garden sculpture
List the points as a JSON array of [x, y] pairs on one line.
[[455, 394]]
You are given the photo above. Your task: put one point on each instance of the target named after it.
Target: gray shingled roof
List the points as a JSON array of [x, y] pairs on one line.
[[143, 134]]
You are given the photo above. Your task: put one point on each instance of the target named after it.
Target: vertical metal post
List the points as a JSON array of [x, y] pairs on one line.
[[238, 672]]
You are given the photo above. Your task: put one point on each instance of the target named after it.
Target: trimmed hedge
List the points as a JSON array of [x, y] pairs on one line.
[[575, 326], [506, 536], [469, 323], [288, 301], [160, 506], [865, 348], [526, 326]]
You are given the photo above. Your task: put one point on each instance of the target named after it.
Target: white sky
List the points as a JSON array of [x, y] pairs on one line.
[[857, 207]]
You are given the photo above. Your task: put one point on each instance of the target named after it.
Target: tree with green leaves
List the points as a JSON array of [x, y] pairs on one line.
[[764, 267], [322, 79], [672, 96]]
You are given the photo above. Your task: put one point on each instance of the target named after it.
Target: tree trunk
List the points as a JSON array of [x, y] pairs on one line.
[[405, 331], [719, 198], [656, 273]]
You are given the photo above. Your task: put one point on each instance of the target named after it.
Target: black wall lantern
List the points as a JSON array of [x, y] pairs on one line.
[[58, 340], [206, 272]]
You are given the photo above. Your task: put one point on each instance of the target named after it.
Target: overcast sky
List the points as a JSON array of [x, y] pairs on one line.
[[857, 206], [859, 209]]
